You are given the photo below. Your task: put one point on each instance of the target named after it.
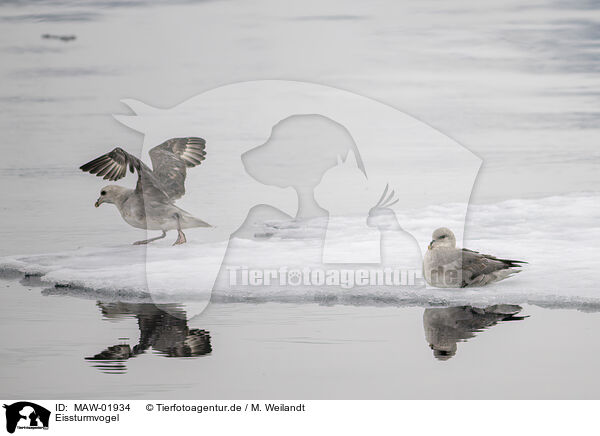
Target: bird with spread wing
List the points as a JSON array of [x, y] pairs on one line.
[[151, 204]]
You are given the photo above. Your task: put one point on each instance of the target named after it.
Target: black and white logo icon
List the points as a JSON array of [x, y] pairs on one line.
[[26, 415]]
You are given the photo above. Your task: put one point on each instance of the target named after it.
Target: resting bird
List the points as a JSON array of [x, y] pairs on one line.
[[446, 266], [151, 204]]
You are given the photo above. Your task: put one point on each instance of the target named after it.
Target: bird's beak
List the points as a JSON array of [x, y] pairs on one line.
[[98, 202], [430, 245]]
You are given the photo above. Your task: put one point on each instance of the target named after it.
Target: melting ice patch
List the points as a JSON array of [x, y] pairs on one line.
[[559, 237]]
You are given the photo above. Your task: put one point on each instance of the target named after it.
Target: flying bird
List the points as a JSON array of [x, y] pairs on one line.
[[151, 204], [446, 266]]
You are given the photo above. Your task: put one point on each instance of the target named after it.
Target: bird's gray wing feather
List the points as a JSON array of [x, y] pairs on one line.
[[171, 159], [475, 265], [113, 166]]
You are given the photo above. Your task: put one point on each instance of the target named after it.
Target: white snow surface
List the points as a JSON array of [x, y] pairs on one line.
[[558, 236]]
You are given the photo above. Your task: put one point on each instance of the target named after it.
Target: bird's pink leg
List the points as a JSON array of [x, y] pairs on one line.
[[180, 235], [147, 241]]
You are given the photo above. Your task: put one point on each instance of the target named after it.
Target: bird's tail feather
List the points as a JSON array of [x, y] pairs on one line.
[[195, 222], [510, 263], [189, 221]]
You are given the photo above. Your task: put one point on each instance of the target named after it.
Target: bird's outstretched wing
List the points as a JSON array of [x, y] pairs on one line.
[[170, 160], [113, 166], [475, 264]]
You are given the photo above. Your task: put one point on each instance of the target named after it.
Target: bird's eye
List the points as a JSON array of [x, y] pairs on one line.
[[442, 237], [103, 193]]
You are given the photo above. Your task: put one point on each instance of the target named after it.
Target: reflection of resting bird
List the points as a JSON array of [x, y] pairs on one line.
[[446, 266], [151, 204], [445, 327]]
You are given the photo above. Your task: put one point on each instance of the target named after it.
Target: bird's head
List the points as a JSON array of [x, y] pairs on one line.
[[109, 194], [445, 351], [442, 237]]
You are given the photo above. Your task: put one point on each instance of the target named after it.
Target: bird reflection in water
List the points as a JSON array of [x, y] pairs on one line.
[[445, 327], [162, 327]]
